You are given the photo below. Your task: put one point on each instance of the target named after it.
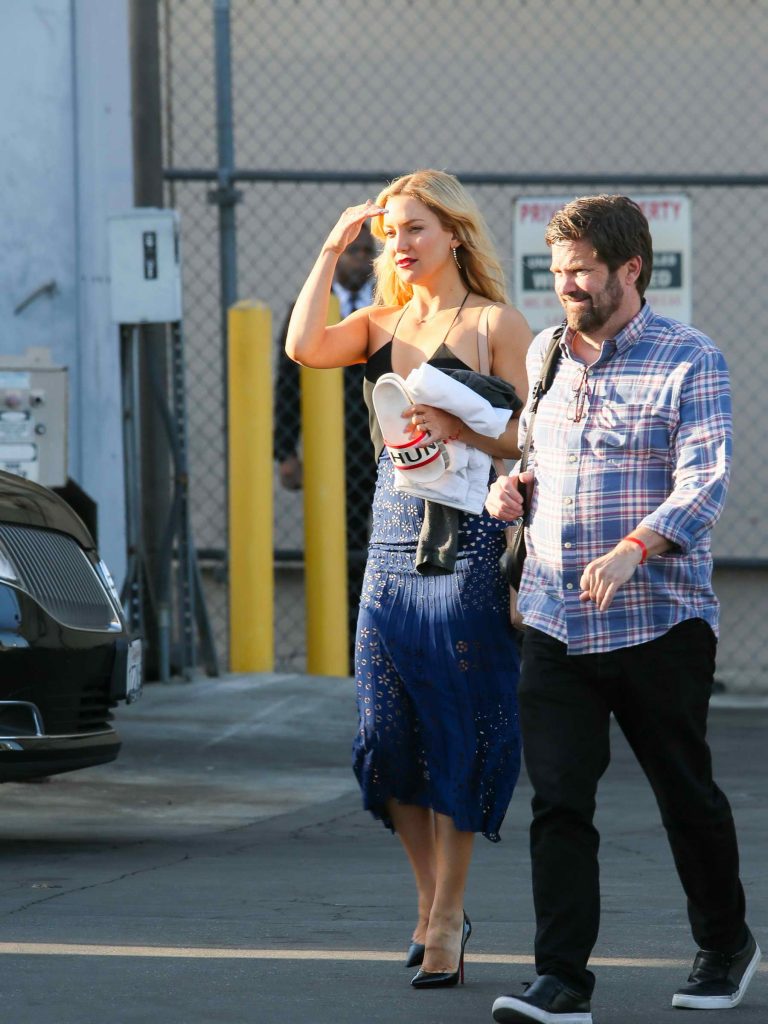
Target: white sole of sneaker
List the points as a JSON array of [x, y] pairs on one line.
[[688, 1002], [508, 1010]]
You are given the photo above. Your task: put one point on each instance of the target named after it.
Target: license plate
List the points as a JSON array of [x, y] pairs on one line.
[[134, 672]]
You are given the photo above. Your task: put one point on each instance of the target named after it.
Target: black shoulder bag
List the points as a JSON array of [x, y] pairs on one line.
[[514, 556]]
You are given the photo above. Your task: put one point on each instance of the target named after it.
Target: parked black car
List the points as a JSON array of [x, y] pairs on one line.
[[66, 658]]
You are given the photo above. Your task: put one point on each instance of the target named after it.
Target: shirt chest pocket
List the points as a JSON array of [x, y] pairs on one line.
[[629, 420]]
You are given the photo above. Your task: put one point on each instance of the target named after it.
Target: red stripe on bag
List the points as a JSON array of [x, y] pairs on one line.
[[417, 465], [414, 442]]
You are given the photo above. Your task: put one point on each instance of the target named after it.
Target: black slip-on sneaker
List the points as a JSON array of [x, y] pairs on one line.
[[718, 981], [548, 1001]]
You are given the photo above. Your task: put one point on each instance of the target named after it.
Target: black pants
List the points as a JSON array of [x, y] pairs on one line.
[[659, 695]]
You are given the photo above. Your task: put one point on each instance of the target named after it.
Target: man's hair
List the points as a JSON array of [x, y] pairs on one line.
[[615, 227]]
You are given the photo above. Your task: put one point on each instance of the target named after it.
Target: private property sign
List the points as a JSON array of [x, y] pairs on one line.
[[669, 293]]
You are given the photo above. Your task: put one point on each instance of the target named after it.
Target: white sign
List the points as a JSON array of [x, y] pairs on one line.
[[669, 292]]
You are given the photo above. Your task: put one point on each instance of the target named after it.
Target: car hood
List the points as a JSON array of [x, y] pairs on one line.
[[30, 504]]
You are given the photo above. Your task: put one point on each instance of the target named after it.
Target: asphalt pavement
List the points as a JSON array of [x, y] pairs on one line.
[[221, 870]]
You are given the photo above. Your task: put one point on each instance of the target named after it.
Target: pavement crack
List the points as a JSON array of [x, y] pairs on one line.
[[322, 823], [96, 885]]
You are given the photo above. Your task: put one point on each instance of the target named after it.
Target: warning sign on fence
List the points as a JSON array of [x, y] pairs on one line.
[[669, 292]]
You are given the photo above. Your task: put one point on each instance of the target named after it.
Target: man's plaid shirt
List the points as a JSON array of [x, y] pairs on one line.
[[652, 448]]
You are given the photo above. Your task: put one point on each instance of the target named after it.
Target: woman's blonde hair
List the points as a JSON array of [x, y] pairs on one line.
[[446, 197]]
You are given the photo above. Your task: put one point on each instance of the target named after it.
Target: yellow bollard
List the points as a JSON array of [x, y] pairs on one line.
[[325, 535], [251, 497]]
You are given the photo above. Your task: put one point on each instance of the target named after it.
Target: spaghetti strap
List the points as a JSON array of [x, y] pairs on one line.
[[484, 362], [483, 345], [394, 332], [445, 336]]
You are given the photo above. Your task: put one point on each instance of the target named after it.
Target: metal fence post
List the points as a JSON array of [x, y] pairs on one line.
[[225, 196]]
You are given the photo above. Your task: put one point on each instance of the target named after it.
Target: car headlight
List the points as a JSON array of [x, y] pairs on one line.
[[106, 576], [7, 569]]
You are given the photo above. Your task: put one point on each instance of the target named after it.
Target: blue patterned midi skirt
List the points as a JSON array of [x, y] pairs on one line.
[[436, 665]]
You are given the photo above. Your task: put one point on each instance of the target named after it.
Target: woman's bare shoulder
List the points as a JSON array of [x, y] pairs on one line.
[[505, 320], [383, 319], [382, 322]]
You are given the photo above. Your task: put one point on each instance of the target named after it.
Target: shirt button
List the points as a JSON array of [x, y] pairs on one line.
[[569, 586], [573, 458], [568, 545], [569, 501]]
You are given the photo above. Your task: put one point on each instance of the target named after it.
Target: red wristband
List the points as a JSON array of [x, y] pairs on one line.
[[636, 540]]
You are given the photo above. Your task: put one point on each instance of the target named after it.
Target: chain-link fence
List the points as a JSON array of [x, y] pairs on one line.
[[518, 98]]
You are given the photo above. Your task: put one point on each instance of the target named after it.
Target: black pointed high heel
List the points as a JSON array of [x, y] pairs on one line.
[[415, 955], [444, 979]]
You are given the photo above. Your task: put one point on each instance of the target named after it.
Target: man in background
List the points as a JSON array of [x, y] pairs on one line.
[[353, 286]]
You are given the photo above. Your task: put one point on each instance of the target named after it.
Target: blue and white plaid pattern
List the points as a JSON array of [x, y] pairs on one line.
[[652, 448]]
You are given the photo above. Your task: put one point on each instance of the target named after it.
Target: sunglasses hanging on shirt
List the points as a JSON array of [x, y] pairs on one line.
[[581, 392]]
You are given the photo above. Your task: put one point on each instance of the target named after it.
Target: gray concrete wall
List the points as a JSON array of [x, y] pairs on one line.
[[66, 163]]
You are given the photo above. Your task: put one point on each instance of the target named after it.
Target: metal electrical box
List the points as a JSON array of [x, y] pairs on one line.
[[145, 266], [33, 418]]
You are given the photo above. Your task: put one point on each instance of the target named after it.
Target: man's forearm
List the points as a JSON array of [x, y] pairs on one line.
[[650, 542]]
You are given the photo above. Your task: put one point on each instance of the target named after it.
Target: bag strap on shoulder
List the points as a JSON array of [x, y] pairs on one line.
[[542, 386], [548, 368]]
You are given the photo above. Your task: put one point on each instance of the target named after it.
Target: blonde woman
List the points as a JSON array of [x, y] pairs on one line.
[[437, 752]]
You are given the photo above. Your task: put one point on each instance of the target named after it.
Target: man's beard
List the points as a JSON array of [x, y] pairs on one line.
[[598, 310]]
